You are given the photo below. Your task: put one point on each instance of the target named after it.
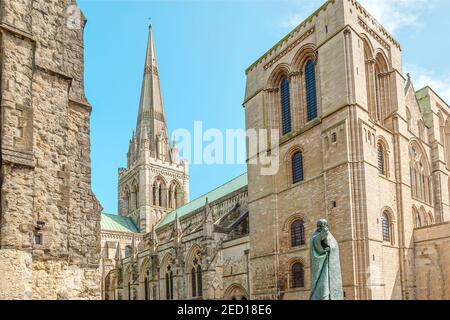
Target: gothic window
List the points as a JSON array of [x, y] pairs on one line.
[[159, 193], [285, 106], [146, 297], [382, 159], [311, 90], [155, 194], [297, 233], [127, 200], [297, 167], [134, 199], [420, 176], [174, 196], [297, 275], [196, 279], [385, 224], [129, 290], [169, 283]]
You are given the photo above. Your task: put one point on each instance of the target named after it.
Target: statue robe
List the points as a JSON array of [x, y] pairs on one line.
[[326, 278]]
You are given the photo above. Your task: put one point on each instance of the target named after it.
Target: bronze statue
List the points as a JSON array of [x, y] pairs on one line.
[[326, 278]]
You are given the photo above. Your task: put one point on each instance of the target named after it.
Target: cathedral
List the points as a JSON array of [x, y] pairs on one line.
[[358, 145]]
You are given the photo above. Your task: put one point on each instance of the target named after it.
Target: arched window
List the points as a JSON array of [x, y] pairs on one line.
[[311, 90], [196, 280], [420, 175], [382, 159], [385, 224], [297, 233], [369, 68], [297, 167], [381, 87], [297, 275], [174, 196], [285, 106], [155, 194], [146, 284], [169, 283], [159, 193], [129, 290], [127, 200]]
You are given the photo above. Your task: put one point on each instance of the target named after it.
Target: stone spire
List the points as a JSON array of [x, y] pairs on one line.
[[151, 120]]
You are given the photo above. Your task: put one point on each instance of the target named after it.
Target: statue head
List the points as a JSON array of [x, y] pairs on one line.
[[322, 224]]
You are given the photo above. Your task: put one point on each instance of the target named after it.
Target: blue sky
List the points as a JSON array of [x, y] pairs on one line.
[[203, 48]]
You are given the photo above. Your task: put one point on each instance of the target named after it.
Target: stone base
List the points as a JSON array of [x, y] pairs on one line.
[[21, 278], [16, 278], [56, 280]]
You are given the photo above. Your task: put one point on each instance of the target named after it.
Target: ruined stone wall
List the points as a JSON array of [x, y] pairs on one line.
[[50, 219]]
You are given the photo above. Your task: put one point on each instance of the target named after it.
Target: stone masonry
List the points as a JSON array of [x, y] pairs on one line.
[[49, 217]]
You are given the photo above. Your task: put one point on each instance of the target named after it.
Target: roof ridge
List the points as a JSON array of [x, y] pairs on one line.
[[190, 203]]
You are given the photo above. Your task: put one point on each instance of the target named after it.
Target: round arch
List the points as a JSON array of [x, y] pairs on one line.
[[305, 53], [282, 70]]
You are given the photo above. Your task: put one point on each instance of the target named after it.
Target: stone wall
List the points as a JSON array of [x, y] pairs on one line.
[[432, 262], [50, 219]]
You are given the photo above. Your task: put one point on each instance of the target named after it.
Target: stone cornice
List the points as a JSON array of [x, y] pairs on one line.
[[290, 35], [289, 48], [374, 34], [383, 31]]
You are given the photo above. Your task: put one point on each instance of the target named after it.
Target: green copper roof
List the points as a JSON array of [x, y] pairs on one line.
[[220, 192], [113, 222]]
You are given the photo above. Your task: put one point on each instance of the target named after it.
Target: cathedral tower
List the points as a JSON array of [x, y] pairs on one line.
[[155, 180]]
